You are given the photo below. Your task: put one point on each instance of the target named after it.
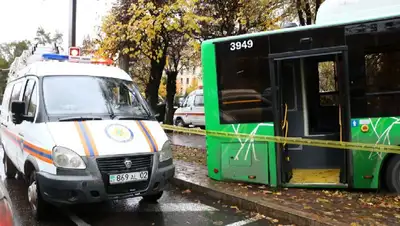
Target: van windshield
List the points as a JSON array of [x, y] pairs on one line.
[[88, 95]]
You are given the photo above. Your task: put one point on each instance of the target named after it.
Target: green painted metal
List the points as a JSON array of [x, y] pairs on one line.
[[380, 131], [235, 159]]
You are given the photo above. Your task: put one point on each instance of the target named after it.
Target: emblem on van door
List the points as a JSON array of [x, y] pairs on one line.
[[128, 163], [119, 133]]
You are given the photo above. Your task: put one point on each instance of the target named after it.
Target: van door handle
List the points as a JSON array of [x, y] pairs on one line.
[[20, 134], [4, 125]]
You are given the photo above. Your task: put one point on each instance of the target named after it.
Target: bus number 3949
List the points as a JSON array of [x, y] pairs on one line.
[[241, 45]]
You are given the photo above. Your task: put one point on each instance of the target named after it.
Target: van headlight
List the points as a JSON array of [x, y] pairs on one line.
[[66, 158], [166, 152]]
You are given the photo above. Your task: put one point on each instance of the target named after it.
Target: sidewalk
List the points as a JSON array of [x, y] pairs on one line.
[[299, 206]]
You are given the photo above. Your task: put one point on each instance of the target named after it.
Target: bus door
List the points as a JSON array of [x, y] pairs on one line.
[[300, 91]]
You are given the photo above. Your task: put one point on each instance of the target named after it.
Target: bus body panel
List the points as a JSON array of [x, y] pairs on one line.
[[369, 164], [233, 158], [366, 166]]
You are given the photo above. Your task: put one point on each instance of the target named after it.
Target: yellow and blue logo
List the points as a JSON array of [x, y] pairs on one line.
[[119, 133]]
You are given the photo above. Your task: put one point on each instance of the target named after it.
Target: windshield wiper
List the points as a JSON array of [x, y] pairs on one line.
[[121, 117], [79, 118]]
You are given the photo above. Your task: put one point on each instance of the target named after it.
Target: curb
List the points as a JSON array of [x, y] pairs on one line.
[[294, 216]]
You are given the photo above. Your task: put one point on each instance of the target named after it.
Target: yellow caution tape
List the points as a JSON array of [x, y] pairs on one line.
[[292, 140]]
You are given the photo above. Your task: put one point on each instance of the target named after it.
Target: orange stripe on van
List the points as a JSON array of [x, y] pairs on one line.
[[82, 137], [91, 141], [36, 151], [150, 136], [144, 132]]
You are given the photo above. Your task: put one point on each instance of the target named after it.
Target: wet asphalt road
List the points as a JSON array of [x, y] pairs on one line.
[[195, 141], [176, 207]]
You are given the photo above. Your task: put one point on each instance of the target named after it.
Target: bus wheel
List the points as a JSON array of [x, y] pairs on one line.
[[392, 177]]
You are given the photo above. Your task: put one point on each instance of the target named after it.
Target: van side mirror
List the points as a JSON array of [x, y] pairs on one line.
[[18, 107], [18, 110]]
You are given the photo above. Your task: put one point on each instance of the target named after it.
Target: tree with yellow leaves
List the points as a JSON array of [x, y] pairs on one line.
[[162, 91], [234, 17], [141, 29]]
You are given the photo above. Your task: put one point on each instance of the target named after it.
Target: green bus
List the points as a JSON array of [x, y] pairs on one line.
[[338, 79]]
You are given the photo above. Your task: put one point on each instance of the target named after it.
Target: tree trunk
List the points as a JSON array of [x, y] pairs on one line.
[[171, 91], [300, 12], [307, 10], [124, 62], [152, 87]]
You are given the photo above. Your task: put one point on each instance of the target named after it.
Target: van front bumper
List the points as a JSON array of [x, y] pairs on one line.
[[76, 189]]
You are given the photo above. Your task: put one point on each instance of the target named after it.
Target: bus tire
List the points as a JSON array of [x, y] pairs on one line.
[[9, 168], [392, 175]]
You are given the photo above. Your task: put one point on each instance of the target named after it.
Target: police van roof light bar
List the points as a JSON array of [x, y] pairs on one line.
[[77, 59], [50, 56]]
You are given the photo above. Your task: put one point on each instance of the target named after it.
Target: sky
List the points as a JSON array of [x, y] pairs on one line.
[[19, 19]]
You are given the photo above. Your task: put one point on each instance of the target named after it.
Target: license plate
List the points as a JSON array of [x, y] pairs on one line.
[[129, 177]]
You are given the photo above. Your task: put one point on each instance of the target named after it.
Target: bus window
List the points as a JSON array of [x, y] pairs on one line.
[[375, 74], [328, 90], [244, 85]]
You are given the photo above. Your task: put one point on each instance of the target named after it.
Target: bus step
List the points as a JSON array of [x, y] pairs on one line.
[[319, 176]]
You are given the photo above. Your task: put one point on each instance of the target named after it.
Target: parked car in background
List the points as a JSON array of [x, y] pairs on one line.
[[191, 111]]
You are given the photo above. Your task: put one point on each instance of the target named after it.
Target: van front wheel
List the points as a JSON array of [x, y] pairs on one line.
[[153, 198], [9, 167], [38, 205]]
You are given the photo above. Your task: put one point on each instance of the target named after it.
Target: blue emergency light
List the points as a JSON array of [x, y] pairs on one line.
[[52, 56], [76, 59]]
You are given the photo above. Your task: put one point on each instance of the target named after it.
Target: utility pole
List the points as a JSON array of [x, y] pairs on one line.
[[72, 23]]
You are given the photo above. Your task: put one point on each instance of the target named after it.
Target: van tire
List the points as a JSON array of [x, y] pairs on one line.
[[179, 122], [40, 208], [9, 167], [392, 175], [153, 198]]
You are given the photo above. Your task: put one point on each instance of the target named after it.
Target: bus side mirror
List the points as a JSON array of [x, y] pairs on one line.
[[18, 110]]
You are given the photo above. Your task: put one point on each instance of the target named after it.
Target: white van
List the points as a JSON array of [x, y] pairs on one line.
[[191, 112], [82, 133]]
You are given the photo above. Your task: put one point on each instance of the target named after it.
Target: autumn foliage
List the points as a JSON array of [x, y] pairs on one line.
[[152, 38]]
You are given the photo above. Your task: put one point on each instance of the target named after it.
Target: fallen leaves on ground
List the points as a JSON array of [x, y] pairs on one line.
[[189, 154], [353, 208]]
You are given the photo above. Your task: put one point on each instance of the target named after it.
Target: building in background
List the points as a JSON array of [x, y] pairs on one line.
[[188, 80]]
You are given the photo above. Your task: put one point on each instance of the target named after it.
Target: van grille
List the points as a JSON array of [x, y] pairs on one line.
[[112, 165], [115, 165]]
